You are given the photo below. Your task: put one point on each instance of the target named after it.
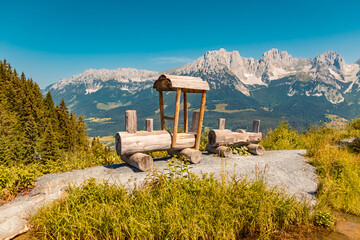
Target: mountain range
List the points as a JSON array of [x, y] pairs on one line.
[[304, 91]]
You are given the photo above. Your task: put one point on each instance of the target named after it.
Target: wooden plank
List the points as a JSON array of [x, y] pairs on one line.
[[171, 82], [176, 116], [221, 125], [130, 121], [256, 126], [149, 123], [185, 112], [169, 118], [202, 109], [191, 90], [195, 121], [161, 104]]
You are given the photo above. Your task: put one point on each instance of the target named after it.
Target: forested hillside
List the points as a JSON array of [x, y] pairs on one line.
[[32, 128], [37, 137]]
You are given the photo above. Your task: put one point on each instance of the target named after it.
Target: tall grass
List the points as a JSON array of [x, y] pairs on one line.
[[20, 177], [338, 168], [171, 208]]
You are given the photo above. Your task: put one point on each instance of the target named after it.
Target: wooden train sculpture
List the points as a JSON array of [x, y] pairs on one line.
[[132, 145]]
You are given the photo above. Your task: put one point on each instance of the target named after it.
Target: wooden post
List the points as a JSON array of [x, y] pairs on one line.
[[185, 113], [221, 124], [256, 126], [201, 117], [176, 116], [194, 122], [149, 122], [130, 121], [161, 104]]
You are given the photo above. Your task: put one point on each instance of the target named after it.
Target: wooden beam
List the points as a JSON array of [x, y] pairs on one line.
[[130, 121], [228, 138], [194, 122], [169, 118], [256, 126], [185, 112], [221, 125], [143, 141], [201, 118], [176, 116], [149, 123], [161, 104]]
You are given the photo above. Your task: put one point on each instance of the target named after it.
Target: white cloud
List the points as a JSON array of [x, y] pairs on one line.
[[162, 60]]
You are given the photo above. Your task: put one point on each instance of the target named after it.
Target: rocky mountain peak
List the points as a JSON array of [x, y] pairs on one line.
[[329, 59], [276, 55], [358, 62]]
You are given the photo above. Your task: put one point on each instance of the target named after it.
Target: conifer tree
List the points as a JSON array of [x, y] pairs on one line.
[[49, 148]]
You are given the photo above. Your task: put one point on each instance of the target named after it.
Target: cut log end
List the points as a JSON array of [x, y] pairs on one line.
[[256, 149], [141, 161], [195, 156], [222, 151]]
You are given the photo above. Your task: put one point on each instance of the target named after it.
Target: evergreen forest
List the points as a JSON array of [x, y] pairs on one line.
[[37, 137]]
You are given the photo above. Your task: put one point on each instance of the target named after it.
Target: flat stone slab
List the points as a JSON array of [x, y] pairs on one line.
[[286, 169]]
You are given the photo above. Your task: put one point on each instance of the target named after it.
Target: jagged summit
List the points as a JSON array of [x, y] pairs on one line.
[[93, 80], [275, 55], [330, 58]]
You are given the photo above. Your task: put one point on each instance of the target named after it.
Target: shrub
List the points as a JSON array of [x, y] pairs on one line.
[[282, 138]]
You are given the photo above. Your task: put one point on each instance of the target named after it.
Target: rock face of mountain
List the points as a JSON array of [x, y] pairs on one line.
[[302, 90], [92, 80], [327, 75]]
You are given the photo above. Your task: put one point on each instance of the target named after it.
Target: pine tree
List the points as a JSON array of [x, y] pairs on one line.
[[64, 125], [81, 132], [49, 148]]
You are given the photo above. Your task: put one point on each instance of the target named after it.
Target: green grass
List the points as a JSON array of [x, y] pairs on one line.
[[338, 168], [20, 177], [171, 208]]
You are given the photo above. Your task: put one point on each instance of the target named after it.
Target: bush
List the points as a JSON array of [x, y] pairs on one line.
[[282, 138]]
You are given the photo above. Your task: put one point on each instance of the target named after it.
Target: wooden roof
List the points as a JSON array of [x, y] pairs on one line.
[[186, 83]]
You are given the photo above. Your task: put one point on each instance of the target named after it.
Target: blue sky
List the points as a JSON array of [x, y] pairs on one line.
[[49, 40]]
